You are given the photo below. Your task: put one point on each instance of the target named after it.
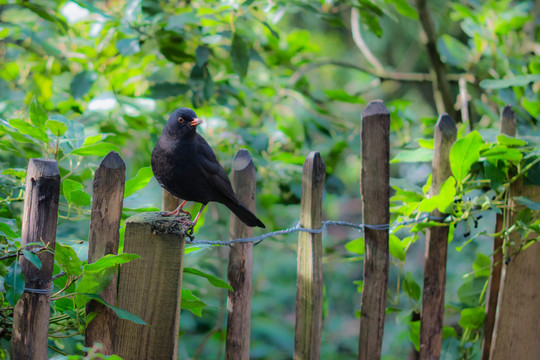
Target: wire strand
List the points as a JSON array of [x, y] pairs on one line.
[[361, 227]]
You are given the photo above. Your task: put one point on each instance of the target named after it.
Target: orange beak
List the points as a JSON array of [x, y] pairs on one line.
[[195, 122]]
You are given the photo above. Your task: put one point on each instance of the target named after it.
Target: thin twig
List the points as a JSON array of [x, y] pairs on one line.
[[359, 41]]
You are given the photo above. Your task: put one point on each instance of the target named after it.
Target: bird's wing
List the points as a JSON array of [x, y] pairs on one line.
[[211, 167]]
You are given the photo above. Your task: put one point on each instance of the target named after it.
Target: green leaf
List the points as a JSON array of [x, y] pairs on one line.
[[30, 130], [452, 51], [417, 155], [56, 127], [445, 199], [67, 259], [359, 285], [411, 287], [506, 140], [33, 258], [356, 246], [448, 332], [217, 282], [99, 149], [38, 115], [239, 55], [533, 205], [482, 265], [91, 140], [6, 231], [472, 318], [94, 282], [139, 181], [108, 261], [164, 90], [396, 247], [14, 283], [82, 83], [69, 185], [192, 303], [80, 198], [343, 96], [514, 81], [469, 292], [121, 313], [464, 153], [502, 153], [414, 333], [403, 7]]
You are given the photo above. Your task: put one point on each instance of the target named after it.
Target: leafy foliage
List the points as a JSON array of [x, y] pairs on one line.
[[79, 79]]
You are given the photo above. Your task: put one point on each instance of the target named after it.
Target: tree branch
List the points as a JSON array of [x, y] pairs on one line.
[[359, 41], [429, 36], [385, 75]]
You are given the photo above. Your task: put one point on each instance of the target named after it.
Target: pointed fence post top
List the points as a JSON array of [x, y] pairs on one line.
[[43, 168], [316, 163], [375, 108], [446, 126], [112, 161], [242, 160], [508, 121]]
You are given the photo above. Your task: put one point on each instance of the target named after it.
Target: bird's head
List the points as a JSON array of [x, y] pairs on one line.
[[183, 120]]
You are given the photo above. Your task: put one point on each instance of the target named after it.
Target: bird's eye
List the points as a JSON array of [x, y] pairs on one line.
[[180, 119]]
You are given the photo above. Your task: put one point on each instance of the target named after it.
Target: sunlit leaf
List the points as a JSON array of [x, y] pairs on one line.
[[38, 115], [472, 318], [192, 303], [464, 153], [99, 149], [139, 181], [217, 282], [356, 246]]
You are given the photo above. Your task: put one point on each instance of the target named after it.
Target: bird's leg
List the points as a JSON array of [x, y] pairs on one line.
[[192, 223], [176, 212]]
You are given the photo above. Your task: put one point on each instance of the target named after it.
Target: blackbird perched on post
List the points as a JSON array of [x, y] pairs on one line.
[[185, 165]]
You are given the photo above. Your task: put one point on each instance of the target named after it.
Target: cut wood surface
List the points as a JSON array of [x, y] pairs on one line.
[[432, 311], [150, 287], [240, 267], [375, 190], [309, 283], [40, 214], [107, 201]]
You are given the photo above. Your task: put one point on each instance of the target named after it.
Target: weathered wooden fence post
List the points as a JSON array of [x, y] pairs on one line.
[[436, 247], [508, 127], [168, 201], [32, 311], [375, 190], [150, 287], [240, 268], [309, 283], [107, 201], [517, 323]]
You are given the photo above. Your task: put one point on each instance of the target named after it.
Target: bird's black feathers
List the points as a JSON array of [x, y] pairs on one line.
[[185, 165]]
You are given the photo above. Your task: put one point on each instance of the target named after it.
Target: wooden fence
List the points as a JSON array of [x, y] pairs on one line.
[[150, 287]]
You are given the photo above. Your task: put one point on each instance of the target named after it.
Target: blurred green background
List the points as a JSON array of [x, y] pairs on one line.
[[281, 79]]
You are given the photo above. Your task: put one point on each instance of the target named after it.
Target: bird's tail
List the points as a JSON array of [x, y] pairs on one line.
[[244, 214]]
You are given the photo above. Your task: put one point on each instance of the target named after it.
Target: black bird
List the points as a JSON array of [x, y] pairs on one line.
[[185, 165]]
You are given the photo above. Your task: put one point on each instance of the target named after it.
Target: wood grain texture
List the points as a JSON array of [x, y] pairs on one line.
[[432, 311], [517, 323], [150, 287], [240, 267], [375, 190], [309, 283], [40, 215], [508, 127], [107, 202], [169, 202]]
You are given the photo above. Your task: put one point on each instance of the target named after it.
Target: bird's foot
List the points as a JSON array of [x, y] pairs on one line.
[[186, 221]]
